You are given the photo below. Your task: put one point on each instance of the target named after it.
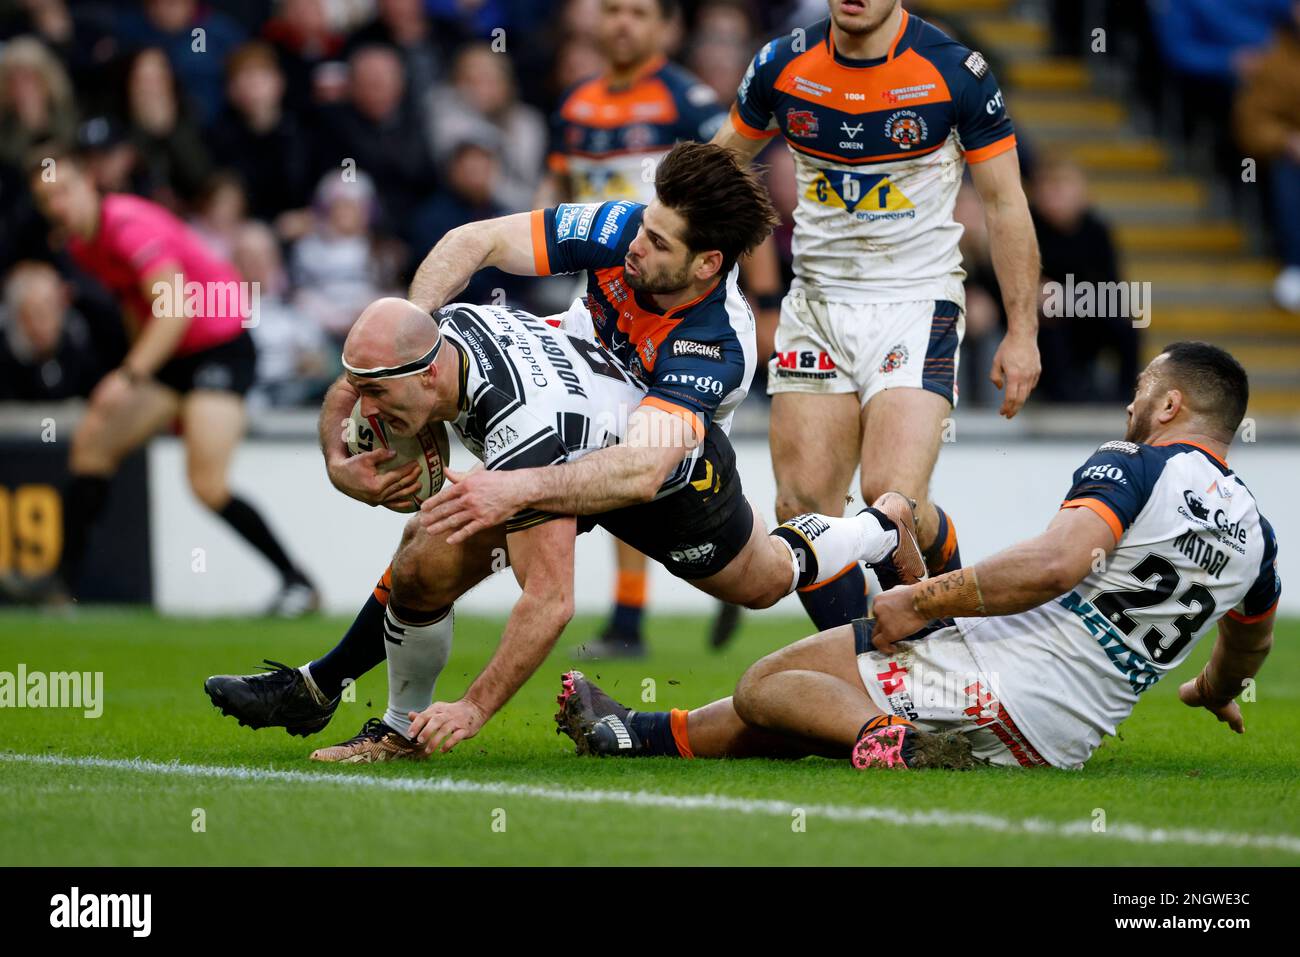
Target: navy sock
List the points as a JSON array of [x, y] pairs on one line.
[[838, 601], [360, 650], [938, 557], [626, 620], [655, 729]]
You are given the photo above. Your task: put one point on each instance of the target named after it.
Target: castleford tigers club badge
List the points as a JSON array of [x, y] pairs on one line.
[[906, 128], [894, 359]]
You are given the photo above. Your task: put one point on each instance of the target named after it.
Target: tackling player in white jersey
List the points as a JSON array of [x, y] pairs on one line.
[[881, 111], [1031, 656]]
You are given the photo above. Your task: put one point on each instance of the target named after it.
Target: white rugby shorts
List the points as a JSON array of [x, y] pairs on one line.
[[864, 348], [935, 683]]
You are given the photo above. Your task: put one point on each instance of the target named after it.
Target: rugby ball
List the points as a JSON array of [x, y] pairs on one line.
[[430, 447]]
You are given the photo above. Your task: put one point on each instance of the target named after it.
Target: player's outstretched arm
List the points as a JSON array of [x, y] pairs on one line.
[[542, 557], [600, 481], [1238, 655], [1015, 261], [505, 242], [1014, 580]]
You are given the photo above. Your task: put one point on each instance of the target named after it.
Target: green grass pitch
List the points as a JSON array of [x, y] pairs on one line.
[[128, 787]]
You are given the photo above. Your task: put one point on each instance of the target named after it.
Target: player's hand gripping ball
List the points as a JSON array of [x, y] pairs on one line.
[[430, 448]]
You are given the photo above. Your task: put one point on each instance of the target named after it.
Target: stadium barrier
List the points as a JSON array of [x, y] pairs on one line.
[[1001, 481]]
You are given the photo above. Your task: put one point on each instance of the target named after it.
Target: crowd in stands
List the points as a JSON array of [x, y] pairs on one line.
[[238, 115], [1225, 79]]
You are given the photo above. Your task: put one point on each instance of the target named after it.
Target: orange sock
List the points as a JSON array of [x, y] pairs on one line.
[[631, 589], [678, 719], [384, 587]]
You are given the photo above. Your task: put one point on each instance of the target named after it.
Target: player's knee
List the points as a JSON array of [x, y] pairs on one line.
[[413, 585], [792, 502], [767, 594], [90, 454], [209, 488], [747, 698]]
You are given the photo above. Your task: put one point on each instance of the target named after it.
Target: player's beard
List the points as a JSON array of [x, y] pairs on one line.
[[659, 283], [1139, 426], [862, 28]]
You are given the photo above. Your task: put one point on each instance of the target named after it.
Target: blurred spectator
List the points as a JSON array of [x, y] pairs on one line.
[[722, 44], [728, 20], [48, 351], [376, 130], [985, 319], [1199, 39], [482, 95], [403, 24], [579, 19], [307, 43], [220, 212], [471, 173], [341, 265], [1268, 128], [36, 106], [579, 58], [36, 102], [1076, 248], [196, 58], [1212, 51], [721, 63], [295, 361], [271, 148], [172, 160]]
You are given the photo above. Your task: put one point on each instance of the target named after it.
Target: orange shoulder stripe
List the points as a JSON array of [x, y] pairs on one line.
[[993, 149], [1102, 509], [697, 426]]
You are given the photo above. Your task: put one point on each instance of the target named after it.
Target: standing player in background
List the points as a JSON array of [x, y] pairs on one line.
[[195, 366], [609, 134], [880, 110]]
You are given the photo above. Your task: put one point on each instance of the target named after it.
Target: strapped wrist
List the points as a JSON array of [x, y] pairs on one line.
[[956, 594]]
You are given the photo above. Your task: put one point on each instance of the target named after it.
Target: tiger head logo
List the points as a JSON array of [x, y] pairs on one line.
[[894, 359]]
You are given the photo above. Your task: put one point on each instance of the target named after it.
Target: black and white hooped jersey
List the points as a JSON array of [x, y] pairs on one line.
[[1191, 547], [533, 395]]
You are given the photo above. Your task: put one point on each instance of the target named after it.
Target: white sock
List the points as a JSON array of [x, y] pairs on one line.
[[314, 688], [823, 546], [416, 656]]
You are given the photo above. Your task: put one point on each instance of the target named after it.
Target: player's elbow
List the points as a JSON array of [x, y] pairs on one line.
[[646, 485], [1060, 572], [552, 606]]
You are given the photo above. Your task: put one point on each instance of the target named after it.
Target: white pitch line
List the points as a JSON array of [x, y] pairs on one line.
[[1130, 833]]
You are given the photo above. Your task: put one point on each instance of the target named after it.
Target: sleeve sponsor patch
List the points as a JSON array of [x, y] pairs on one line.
[[699, 350], [977, 65], [573, 220], [610, 227], [1128, 448]]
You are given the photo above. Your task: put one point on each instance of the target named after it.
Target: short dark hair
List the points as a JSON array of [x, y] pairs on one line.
[[1214, 382], [725, 206]]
